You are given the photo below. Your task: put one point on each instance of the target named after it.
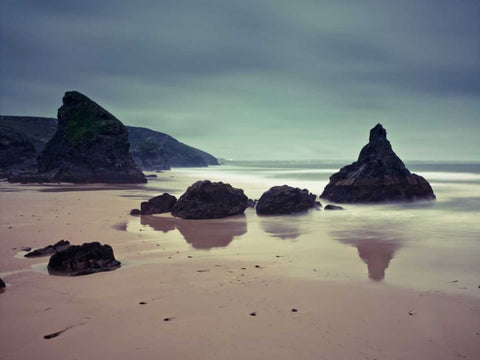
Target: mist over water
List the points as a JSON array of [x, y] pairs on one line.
[[428, 245]]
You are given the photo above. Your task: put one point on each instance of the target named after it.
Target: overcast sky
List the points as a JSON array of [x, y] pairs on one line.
[[257, 79]]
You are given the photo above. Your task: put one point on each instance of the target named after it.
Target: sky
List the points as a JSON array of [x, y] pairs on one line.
[[257, 79]]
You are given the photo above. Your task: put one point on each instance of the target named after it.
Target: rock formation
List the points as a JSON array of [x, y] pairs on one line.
[[377, 176], [2, 284], [158, 205], [285, 200], [151, 150], [83, 260], [49, 250], [207, 200], [89, 146]]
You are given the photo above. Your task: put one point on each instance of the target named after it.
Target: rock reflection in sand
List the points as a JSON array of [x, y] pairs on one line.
[[285, 230], [201, 234], [375, 248]]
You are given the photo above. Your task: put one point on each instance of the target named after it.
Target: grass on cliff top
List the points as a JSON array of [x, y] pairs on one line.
[[82, 125]]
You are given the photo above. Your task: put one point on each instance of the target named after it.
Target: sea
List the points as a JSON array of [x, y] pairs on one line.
[[429, 246]]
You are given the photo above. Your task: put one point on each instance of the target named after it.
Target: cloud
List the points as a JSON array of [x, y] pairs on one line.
[[222, 74]]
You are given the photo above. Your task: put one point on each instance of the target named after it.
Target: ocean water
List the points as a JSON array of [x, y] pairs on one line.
[[428, 246]]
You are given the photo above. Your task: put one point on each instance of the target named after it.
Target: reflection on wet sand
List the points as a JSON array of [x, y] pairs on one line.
[[375, 248], [278, 227], [201, 234]]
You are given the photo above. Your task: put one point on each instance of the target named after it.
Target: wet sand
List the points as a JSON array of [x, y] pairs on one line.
[[188, 290]]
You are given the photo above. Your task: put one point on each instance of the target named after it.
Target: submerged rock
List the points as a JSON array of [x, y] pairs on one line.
[[2, 284], [333, 207], [285, 200], [158, 205], [83, 259], [135, 212], [207, 200], [89, 146], [377, 176], [50, 249]]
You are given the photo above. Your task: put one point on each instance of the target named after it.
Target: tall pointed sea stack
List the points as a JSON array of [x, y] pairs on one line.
[[90, 145], [377, 176]]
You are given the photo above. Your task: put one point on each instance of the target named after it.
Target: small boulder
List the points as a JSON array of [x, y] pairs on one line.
[[333, 207], [285, 200], [135, 212], [2, 284], [158, 205], [49, 250], [83, 259], [207, 200]]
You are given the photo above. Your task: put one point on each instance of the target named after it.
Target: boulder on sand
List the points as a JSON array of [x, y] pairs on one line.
[[377, 176], [83, 259], [158, 205], [89, 146], [207, 200], [285, 200]]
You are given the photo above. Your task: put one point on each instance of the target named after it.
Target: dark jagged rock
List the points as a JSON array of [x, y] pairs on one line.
[[207, 200], [333, 207], [2, 284], [83, 259], [89, 146], [158, 205], [285, 200], [377, 176], [251, 203], [49, 250]]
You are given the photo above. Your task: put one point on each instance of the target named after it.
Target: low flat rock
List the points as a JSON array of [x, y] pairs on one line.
[[333, 207], [377, 176], [158, 205], [285, 200], [49, 250], [83, 259], [207, 200]]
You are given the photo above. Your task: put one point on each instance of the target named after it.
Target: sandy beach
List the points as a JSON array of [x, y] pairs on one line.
[[182, 293]]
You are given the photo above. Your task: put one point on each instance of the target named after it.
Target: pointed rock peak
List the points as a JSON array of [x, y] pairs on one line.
[[378, 133], [73, 97]]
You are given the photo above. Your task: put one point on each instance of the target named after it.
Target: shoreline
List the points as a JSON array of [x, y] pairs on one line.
[[207, 297]]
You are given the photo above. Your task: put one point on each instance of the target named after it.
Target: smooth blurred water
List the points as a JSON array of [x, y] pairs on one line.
[[432, 245]]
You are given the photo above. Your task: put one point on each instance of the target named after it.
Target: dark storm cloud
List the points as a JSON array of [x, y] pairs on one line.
[[217, 72]]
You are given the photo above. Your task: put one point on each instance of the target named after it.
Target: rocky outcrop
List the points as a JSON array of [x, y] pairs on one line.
[[207, 200], [49, 250], [151, 150], [89, 146], [377, 176], [158, 205], [285, 200], [83, 259]]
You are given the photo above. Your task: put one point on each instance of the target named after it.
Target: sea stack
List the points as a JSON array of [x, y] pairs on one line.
[[377, 176], [90, 146]]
